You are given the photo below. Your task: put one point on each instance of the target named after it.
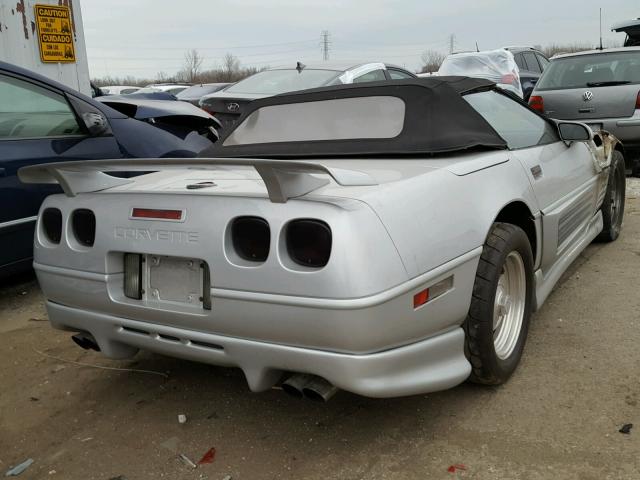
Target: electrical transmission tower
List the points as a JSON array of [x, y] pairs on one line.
[[452, 42], [325, 44]]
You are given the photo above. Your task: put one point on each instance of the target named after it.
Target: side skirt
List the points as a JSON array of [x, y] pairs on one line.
[[545, 283]]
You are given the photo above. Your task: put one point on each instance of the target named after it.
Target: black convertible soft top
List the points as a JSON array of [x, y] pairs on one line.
[[436, 119]]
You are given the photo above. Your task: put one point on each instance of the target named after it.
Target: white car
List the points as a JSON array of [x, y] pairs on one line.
[[119, 89], [171, 88], [387, 239], [498, 66]]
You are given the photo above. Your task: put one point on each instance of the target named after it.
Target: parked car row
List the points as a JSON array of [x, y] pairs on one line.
[[195, 93], [171, 88], [118, 89]]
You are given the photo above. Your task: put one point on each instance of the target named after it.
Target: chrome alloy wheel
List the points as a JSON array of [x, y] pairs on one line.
[[509, 305]]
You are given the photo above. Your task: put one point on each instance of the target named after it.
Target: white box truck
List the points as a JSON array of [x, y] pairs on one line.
[[46, 36]]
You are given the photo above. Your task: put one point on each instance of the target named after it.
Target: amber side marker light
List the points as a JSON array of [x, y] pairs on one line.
[[421, 298], [156, 214], [434, 291]]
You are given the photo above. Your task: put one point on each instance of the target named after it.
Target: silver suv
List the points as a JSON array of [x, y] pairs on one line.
[[597, 87]]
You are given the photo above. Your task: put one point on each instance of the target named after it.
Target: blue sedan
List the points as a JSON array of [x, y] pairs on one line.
[[43, 121]]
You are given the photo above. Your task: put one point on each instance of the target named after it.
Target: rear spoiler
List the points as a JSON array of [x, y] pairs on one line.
[[284, 179]]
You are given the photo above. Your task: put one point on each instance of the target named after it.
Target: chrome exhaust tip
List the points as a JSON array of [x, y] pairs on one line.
[[310, 387], [294, 384], [319, 390]]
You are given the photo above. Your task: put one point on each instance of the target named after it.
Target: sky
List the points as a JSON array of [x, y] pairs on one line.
[[143, 37]]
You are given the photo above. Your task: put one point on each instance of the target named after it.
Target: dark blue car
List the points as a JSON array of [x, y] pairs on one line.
[[531, 63], [43, 121]]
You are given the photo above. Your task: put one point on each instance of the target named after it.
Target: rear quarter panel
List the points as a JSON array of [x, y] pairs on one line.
[[436, 217]]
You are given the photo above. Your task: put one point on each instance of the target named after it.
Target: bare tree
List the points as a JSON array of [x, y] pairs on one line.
[[192, 65], [162, 77], [230, 67], [432, 60], [230, 71], [555, 48]]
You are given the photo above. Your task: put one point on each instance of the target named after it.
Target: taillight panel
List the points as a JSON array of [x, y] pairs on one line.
[[309, 242], [51, 222]]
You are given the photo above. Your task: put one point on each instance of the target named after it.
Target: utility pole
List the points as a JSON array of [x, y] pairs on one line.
[[600, 28], [452, 42], [325, 43]]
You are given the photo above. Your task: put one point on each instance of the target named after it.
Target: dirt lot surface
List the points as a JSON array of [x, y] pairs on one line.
[[557, 418]]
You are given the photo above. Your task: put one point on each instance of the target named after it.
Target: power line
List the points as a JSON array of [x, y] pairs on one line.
[[392, 44], [266, 54], [112, 47]]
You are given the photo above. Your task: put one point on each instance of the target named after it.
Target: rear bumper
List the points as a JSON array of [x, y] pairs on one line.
[[350, 325], [430, 365], [377, 346]]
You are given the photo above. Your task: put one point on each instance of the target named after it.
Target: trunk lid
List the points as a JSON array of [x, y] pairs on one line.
[[590, 102], [227, 108]]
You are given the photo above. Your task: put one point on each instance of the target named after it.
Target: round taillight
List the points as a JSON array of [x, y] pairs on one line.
[[83, 223], [52, 224], [309, 242], [251, 238]]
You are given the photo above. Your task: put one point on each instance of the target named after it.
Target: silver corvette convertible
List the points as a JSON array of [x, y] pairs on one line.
[[387, 239]]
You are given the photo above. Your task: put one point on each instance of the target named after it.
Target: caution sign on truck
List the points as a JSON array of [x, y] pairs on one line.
[[55, 34]]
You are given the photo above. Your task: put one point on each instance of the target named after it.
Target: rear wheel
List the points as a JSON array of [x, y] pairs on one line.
[[613, 204], [498, 320]]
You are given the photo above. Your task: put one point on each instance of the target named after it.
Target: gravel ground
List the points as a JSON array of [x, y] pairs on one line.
[[557, 418]]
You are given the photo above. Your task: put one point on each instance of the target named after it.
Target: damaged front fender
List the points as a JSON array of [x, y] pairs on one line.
[[602, 146]]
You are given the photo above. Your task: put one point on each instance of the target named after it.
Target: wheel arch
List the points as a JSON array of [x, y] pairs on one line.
[[519, 214], [611, 142]]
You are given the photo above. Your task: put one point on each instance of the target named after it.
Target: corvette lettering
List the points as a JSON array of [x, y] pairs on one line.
[[171, 236]]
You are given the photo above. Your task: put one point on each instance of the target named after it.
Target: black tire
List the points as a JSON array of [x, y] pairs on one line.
[[613, 204], [488, 367], [634, 167]]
